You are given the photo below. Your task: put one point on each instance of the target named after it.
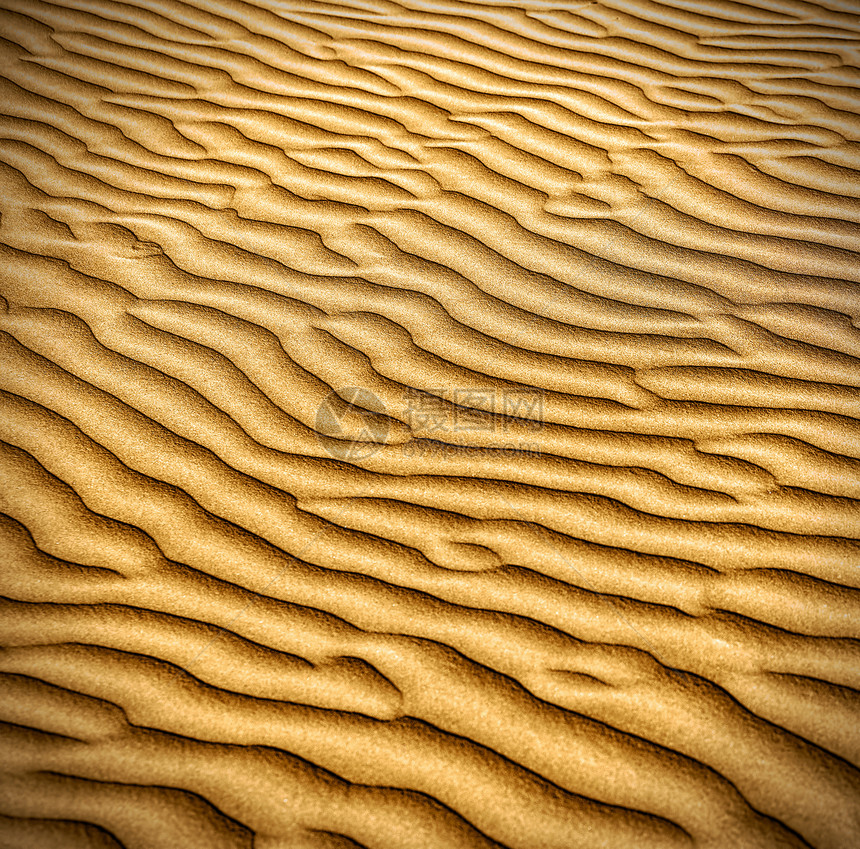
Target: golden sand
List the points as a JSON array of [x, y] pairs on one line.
[[430, 424]]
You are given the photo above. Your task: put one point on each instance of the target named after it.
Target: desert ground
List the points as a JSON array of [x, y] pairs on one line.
[[430, 424]]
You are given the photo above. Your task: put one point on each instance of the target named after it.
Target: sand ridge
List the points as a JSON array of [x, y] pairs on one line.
[[430, 424]]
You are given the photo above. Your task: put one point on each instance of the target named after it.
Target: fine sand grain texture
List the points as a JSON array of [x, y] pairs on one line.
[[430, 424]]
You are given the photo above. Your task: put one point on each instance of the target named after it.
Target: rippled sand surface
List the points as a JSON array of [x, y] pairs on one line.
[[430, 424]]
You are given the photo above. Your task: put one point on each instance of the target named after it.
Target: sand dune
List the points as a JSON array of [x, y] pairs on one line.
[[430, 424]]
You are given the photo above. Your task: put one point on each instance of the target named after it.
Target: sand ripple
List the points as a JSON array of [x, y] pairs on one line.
[[430, 424]]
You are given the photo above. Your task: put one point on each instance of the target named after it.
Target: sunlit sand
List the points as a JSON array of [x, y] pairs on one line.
[[430, 424]]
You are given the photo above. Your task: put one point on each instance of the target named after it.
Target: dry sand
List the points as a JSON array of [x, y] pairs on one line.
[[430, 424]]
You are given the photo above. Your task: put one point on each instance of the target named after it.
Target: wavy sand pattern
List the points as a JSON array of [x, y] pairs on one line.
[[570, 559]]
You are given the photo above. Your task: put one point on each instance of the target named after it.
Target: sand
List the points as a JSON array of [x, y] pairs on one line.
[[430, 424]]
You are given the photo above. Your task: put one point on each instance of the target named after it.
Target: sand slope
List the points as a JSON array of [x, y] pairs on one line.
[[569, 559]]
